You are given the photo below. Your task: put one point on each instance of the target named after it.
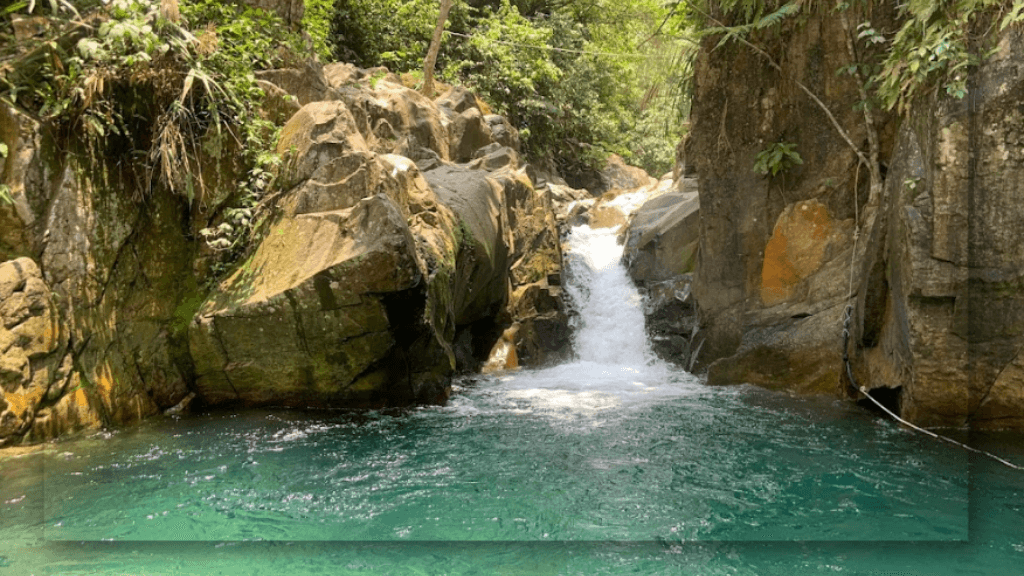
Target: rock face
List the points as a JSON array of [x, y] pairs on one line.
[[933, 262], [378, 267], [42, 396], [661, 239], [940, 310]]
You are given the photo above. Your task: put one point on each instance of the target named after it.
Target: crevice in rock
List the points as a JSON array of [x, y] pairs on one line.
[[474, 341], [875, 299], [405, 310], [224, 351], [888, 397], [300, 331], [129, 241]]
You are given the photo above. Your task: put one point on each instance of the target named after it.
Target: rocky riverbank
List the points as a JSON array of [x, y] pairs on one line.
[[402, 238]]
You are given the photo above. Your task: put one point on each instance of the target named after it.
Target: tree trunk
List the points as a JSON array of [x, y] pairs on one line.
[[435, 45]]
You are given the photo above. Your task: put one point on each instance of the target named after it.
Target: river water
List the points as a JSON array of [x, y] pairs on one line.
[[614, 463]]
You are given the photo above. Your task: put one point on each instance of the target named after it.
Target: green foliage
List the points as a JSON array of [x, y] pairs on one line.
[[754, 19], [241, 219], [394, 33], [933, 48], [149, 103], [151, 91], [572, 76], [316, 21], [508, 62], [777, 157]]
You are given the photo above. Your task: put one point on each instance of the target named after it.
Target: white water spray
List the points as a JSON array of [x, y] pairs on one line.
[[614, 365], [610, 309]]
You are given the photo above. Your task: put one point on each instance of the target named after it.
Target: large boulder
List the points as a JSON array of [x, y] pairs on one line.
[[471, 127], [481, 285], [536, 304], [614, 176], [773, 262], [661, 237], [391, 117], [508, 267], [352, 279]]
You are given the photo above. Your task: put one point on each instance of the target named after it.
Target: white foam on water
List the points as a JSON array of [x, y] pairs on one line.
[[614, 365]]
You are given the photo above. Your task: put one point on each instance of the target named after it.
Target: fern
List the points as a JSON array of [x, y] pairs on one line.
[[1014, 16], [753, 18], [778, 16]]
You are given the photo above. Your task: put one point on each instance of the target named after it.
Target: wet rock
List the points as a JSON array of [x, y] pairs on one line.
[[670, 319], [360, 260], [661, 239], [798, 355], [34, 362], [503, 355], [395, 119]]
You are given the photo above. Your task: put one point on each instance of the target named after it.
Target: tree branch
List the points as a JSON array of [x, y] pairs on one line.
[[873, 147]]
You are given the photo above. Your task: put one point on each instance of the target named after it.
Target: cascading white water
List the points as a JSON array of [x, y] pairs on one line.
[[611, 329], [614, 365]]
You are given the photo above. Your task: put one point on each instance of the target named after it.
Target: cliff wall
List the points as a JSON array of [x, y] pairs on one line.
[[931, 257]]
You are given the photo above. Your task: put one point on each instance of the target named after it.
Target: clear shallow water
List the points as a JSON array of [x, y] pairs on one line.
[[612, 464], [995, 544]]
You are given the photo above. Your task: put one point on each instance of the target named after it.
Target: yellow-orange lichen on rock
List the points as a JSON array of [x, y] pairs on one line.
[[796, 249]]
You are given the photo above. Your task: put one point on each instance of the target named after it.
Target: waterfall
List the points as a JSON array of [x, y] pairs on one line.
[[614, 366], [611, 319]]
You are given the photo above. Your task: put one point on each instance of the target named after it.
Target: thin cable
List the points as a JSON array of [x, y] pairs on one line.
[[864, 391]]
